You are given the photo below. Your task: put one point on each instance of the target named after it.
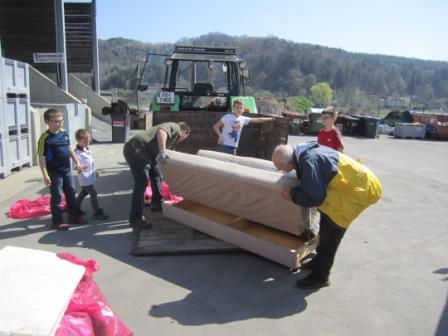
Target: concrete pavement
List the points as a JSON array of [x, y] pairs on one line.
[[390, 276]]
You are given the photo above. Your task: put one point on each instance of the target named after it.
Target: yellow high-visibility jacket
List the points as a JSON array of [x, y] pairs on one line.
[[337, 185]]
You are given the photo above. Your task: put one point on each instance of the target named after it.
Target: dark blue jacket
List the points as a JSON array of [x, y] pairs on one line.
[[334, 183]]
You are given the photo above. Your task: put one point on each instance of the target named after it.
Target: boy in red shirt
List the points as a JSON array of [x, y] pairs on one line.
[[329, 135]]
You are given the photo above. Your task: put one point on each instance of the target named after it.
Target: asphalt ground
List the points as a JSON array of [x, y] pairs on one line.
[[390, 275]]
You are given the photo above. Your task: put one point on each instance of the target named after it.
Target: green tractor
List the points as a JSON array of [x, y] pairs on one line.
[[200, 86]]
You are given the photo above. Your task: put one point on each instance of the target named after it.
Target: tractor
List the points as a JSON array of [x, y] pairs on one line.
[[200, 86]]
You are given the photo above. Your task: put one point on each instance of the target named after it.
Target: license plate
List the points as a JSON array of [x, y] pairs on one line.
[[164, 97]]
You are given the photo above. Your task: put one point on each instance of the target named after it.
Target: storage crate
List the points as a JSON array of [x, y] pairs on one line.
[[12, 152], [14, 77], [25, 157], [4, 170], [16, 115], [410, 131], [15, 125]]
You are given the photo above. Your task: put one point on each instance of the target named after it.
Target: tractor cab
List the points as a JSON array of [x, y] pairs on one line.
[[199, 88], [203, 79]]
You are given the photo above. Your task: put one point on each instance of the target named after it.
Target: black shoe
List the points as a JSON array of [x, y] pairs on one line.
[[140, 224], [100, 215], [308, 265], [312, 282], [156, 207], [77, 220]]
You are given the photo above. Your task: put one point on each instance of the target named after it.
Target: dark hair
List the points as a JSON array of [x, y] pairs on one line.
[[50, 113], [184, 126], [81, 134]]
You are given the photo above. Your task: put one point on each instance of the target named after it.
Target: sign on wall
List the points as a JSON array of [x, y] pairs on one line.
[[48, 57]]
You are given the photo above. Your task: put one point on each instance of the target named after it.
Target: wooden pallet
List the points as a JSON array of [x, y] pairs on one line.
[[168, 237]]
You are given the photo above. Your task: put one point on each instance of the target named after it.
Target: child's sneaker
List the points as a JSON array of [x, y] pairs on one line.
[[61, 227], [100, 215]]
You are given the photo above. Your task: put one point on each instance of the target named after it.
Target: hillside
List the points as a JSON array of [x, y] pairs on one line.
[[284, 68]]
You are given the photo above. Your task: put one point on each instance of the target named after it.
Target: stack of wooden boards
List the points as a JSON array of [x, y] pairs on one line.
[[238, 200]]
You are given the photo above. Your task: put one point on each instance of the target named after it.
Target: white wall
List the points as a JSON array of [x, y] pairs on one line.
[[44, 90], [95, 101]]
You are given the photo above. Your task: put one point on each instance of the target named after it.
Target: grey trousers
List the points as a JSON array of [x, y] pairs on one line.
[[89, 190]]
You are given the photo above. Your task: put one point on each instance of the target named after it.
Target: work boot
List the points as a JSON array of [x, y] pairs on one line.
[[309, 264], [100, 215], [77, 220], [156, 207], [312, 282], [140, 224]]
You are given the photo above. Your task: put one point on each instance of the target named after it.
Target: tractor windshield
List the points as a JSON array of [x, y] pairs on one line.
[[197, 76], [200, 84]]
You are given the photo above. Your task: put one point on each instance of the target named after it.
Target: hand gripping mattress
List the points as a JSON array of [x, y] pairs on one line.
[[248, 192]]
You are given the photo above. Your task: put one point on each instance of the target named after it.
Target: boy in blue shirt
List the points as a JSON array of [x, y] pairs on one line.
[[54, 160]]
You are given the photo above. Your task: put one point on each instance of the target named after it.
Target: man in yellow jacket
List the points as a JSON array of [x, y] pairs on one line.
[[340, 187]]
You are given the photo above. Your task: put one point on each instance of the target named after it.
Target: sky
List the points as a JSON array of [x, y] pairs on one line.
[[413, 28]]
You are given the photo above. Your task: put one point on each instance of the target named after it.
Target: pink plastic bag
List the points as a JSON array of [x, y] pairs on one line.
[[89, 300], [75, 324], [166, 194], [26, 208]]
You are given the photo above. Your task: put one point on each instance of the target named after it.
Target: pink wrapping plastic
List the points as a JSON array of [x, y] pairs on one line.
[[75, 324], [88, 301], [166, 194], [26, 208]]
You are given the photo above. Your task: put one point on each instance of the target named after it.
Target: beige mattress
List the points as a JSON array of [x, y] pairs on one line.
[[237, 189], [241, 160]]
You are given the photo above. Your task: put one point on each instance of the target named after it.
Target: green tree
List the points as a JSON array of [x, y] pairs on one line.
[[300, 103], [322, 94], [427, 92]]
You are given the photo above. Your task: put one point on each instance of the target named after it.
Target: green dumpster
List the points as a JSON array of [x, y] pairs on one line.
[[315, 122]]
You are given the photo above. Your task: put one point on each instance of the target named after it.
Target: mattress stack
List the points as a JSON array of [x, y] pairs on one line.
[[245, 187]]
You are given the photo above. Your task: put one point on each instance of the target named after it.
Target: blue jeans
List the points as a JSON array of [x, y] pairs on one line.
[[62, 183], [227, 149], [143, 171]]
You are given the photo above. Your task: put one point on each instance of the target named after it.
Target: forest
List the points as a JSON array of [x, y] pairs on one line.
[[308, 75]]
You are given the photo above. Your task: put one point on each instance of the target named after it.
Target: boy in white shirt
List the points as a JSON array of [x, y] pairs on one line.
[[88, 174], [232, 124]]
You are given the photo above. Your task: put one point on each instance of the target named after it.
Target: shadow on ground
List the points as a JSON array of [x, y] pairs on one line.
[[222, 288]]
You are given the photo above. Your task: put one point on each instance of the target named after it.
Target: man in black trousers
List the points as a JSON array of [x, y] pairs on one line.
[[143, 152]]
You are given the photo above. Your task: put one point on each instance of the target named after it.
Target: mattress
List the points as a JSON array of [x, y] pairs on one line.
[[248, 192], [241, 160]]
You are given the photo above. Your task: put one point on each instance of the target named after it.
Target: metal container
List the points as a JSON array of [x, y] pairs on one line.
[[410, 131], [14, 77]]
